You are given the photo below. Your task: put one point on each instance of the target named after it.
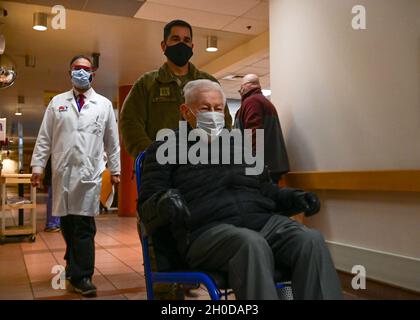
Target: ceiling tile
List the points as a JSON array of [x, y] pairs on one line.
[[258, 71], [157, 12], [263, 63], [69, 4], [240, 25], [234, 8], [259, 12], [125, 8]]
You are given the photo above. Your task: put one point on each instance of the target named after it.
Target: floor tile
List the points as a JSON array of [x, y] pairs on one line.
[[127, 280]]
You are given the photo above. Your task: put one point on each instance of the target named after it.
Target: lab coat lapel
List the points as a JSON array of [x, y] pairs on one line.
[[93, 99], [70, 98]]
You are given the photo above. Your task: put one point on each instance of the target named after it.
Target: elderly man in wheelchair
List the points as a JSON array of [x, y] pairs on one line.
[[212, 215]]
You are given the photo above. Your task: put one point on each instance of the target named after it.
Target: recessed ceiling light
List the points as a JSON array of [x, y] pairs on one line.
[[232, 77], [229, 77]]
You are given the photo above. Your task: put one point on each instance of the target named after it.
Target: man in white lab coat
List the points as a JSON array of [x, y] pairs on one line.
[[78, 126]]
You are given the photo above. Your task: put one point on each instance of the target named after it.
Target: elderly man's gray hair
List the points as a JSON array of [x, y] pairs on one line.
[[192, 89]]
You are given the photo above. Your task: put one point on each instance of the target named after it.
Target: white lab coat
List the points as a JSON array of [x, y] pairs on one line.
[[76, 142]]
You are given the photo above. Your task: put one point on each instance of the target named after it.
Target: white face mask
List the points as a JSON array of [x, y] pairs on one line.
[[211, 122]]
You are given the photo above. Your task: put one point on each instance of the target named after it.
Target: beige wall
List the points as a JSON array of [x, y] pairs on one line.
[[350, 100]]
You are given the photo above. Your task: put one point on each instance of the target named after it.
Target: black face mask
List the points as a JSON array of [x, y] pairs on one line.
[[179, 54]]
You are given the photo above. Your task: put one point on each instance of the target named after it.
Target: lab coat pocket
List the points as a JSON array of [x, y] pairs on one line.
[[96, 127], [92, 170]]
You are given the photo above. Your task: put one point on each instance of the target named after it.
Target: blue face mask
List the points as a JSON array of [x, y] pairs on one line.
[[81, 79]]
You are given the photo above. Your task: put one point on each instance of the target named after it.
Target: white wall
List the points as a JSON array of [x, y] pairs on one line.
[[350, 100]]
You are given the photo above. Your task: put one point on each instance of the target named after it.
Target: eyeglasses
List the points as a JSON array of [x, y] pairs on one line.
[[79, 67]]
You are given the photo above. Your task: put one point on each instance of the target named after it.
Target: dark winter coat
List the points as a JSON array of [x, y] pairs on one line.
[[213, 193], [257, 112]]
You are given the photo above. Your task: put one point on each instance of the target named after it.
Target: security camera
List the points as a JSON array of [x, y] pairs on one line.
[[3, 12]]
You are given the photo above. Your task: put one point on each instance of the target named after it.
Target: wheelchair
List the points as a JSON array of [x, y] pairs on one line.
[[216, 283]]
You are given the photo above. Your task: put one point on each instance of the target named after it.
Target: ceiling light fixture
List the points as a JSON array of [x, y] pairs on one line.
[[40, 21], [2, 44], [30, 61], [21, 102], [2, 38], [211, 44]]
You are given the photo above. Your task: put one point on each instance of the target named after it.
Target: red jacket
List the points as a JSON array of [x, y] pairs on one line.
[[257, 112]]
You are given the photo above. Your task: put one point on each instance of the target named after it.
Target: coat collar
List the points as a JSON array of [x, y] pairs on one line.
[[251, 93], [91, 97]]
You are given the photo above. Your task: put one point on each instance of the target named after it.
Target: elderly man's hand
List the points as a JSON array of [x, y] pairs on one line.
[[36, 179], [308, 202], [115, 180]]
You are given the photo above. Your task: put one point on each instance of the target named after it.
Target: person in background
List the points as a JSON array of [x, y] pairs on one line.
[[257, 112], [52, 223], [78, 126], [153, 104]]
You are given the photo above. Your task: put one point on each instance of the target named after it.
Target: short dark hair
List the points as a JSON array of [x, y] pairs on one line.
[[79, 56], [175, 23]]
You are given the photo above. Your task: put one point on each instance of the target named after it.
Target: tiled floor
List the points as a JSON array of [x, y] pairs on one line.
[[26, 268]]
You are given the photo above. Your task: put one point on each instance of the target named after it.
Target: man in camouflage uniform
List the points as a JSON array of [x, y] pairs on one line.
[[153, 104]]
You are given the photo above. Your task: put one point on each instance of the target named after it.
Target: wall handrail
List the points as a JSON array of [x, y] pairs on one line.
[[373, 180]]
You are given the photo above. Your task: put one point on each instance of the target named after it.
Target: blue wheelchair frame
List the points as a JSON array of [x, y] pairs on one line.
[[186, 277]]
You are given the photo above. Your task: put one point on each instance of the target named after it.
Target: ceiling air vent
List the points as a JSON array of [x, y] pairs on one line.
[[233, 77]]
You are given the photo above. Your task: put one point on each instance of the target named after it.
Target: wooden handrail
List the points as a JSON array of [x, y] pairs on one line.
[[15, 178], [380, 180], [16, 175]]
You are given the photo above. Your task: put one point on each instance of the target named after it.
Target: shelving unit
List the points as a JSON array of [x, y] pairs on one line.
[[25, 230]]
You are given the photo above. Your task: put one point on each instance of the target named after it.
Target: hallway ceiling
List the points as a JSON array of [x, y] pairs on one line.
[[125, 8], [241, 16], [128, 47]]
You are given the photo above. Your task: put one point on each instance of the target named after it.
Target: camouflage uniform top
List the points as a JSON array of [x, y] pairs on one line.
[[153, 103]]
